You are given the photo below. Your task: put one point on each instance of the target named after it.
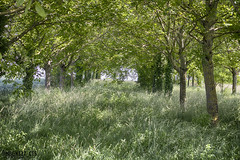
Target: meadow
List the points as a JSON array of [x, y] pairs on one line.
[[108, 121]]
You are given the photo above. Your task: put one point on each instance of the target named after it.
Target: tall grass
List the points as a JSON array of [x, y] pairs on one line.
[[105, 120]]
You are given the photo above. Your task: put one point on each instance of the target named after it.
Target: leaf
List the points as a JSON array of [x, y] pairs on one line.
[[19, 3], [40, 10], [0, 56], [27, 7]]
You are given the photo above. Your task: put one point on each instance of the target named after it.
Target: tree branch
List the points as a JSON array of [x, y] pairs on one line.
[[16, 38], [7, 13]]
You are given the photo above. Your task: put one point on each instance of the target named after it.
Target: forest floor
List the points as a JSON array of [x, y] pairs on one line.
[[105, 120]]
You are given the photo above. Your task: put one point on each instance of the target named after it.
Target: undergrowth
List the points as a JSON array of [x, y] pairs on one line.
[[106, 120]]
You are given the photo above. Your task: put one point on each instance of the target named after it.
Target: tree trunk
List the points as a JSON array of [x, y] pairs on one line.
[[92, 75], [199, 82], [193, 80], [154, 81], [234, 81], [182, 89], [98, 75], [114, 75], [62, 76], [211, 95], [72, 80], [207, 63], [87, 76], [182, 74], [47, 68], [188, 81], [79, 75], [28, 79]]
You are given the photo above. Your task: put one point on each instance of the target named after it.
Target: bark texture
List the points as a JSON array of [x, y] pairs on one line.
[[72, 80], [234, 80], [182, 89], [98, 75], [207, 62], [28, 79], [62, 76], [193, 79], [47, 69], [182, 73]]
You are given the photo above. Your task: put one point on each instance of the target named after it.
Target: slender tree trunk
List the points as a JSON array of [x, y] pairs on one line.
[[72, 80], [62, 76], [47, 69], [154, 81], [89, 75], [98, 75], [79, 75], [79, 78], [234, 81], [114, 75], [199, 82], [188, 81], [84, 76], [92, 75], [193, 80]]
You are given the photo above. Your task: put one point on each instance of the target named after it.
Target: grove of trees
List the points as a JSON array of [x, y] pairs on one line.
[[163, 41]]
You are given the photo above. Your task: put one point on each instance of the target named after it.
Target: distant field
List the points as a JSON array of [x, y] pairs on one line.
[[36, 83]]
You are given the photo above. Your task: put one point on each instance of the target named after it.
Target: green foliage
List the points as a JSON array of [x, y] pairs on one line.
[[145, 75], [19, 3], [40, 10], [12, 139], [158, 74], [106, 120], [222, 75]]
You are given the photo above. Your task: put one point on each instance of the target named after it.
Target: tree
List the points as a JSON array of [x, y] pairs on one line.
[[228, 56], [210, 18], [170, 31]]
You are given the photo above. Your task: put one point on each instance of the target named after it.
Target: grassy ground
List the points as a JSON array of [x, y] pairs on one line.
[[105, 120]]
